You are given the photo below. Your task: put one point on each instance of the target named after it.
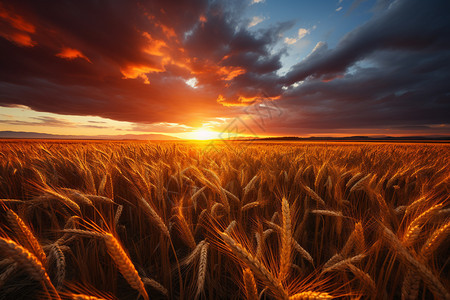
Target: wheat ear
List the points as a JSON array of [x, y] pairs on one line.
[[410, 286], [356, 238], [333, 260], [250, 205], [363, 276], [340, 264], [427, 276], [354, 179], [358, 185], [311, 296], [314, 195], [433, 242], [286, 244], [57, 254], [85, 297], [27, 261], [187, 235], [411, 282], [118, 214], [194, 253], [26, 236], [230, 227], [124, 264], [156, 285], [330, 213], [413, 230], [202, 269], [256, 266], [155, 217], [251, 291]]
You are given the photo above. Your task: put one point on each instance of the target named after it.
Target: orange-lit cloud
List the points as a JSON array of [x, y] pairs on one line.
[[71, 53], [21, 39], [244, 101], [153, 46], [228, 73], [18, 22], [202, 19], [15, 28], [133, 72]]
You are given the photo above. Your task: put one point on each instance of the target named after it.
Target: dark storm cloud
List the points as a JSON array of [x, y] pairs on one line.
[[391, 71], [408, 25], [92, 57]]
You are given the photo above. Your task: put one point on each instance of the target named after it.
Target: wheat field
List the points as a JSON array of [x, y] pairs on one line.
[[129, 220]]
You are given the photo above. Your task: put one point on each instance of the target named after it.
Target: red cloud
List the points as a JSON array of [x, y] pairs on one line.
[[16, 21], [15, 28], [70, 53]]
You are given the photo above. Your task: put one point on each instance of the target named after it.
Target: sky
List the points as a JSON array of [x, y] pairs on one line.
[[217, 69]]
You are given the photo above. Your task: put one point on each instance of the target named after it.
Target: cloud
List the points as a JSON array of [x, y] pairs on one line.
[[161, 127], [302, 32], [354, 5], [255, 21], [290, 41], [140, 59], [70, 53], [41, 121], [387, 73], [15, 28], [339, 8], [257, 1]]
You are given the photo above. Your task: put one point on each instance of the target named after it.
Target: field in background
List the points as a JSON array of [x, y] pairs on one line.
[[117, 220]]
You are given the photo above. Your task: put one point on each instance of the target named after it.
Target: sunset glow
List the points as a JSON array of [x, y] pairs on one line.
[[203, 134]]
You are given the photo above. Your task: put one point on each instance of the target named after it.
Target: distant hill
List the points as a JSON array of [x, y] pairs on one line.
[[37, 135]]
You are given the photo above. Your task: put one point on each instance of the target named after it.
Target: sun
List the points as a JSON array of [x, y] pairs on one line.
[[203, 134]]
